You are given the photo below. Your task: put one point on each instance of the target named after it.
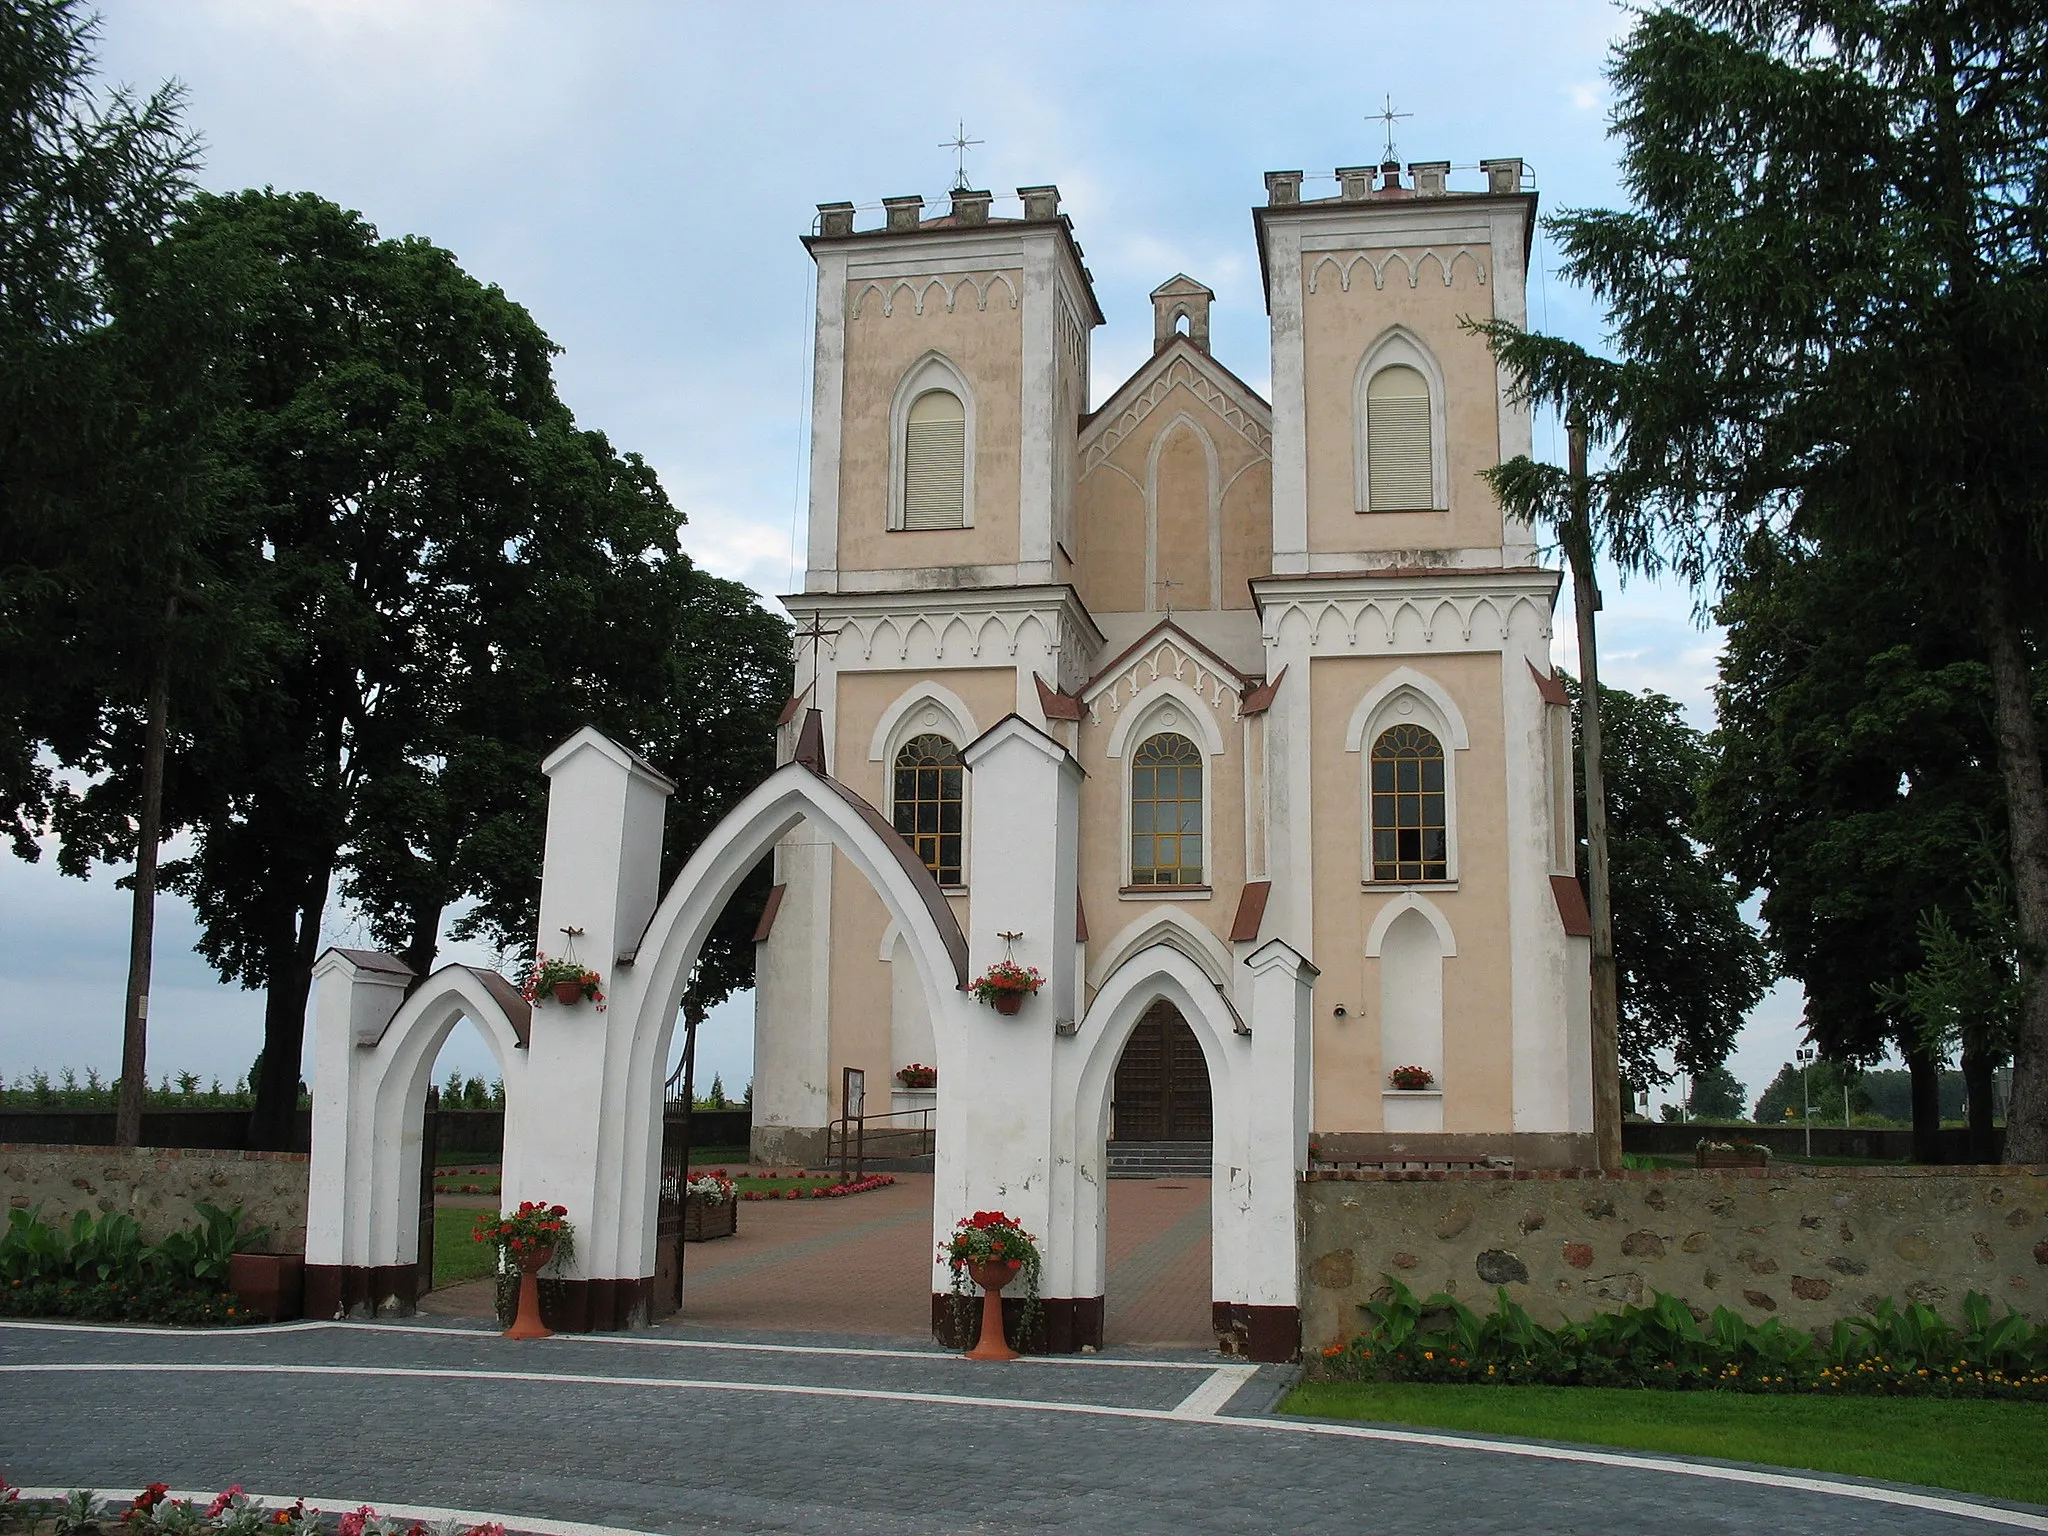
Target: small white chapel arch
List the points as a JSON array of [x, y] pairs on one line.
[[375, 1047]]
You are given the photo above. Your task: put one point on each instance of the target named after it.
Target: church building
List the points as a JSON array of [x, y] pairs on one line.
[[1293, 650]]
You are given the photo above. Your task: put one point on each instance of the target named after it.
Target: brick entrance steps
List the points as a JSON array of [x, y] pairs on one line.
[[1159, 1159]]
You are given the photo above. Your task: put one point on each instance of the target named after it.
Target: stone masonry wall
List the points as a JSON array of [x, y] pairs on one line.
[[1809, 1245], [157, 1185]]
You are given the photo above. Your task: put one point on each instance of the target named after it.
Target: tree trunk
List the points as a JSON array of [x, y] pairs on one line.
[[273, 1124], [1925, 1072], [2026, 811], [1606, 1007], [425, 941], [142, 919], [1980, 1085]]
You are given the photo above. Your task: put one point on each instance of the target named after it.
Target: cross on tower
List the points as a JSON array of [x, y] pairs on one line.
[[1166, 584], [960, 144], [1387, 117]]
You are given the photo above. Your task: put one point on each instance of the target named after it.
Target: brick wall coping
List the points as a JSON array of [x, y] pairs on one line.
[[1654, 1175], [221, 1154]]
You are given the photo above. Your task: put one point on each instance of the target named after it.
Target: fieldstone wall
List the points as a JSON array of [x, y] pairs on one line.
[[1809, 1245], [157, 1185]]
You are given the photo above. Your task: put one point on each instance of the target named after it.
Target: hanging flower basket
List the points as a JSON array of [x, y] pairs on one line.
[[1005, 985], [566, 979], [1411, 1079]]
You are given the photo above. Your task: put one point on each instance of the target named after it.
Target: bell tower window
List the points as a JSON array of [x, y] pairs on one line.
[[935, 461]]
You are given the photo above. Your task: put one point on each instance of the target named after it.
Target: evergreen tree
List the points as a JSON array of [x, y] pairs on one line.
[[1716, 1095], [1830, 304]]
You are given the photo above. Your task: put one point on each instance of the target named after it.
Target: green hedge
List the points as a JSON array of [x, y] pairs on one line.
[[1909, 1352]]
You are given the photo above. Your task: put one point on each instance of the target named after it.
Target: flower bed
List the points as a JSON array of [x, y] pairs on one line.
[[769, 1186], [230, 1513], [100, 1270], [1906, 1353]]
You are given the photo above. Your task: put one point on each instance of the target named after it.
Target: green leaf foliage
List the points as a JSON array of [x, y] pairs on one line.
[[1671, 1345], [99, 1268]]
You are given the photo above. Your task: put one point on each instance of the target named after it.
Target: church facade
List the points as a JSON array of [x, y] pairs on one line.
[[1293, 651]]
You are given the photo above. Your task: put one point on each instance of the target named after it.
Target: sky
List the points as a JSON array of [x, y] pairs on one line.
[[638, 176]]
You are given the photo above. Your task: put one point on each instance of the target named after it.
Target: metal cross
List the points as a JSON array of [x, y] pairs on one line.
[[817, 634], [1166, 584], [960, 144], [1388, 117]]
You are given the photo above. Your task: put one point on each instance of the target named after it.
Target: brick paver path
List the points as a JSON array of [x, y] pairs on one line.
[[862, 1265], [663, 1434]]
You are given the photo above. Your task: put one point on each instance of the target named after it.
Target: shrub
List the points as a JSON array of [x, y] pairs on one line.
[[1909, 1352], [101, 1270]]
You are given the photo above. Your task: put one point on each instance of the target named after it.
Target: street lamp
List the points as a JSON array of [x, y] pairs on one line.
[[1804, 1056]]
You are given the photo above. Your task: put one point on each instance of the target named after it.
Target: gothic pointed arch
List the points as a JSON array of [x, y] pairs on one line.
[[919, 470]]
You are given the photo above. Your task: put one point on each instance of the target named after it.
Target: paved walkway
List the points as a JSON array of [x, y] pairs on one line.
[[862, 1265], [662, 1434]]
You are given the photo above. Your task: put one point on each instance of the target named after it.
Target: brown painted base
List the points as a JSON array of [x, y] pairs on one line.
[[1067, 1324], [338, 1291], [1526, 1149], [1257, 1333], [272, 1284]]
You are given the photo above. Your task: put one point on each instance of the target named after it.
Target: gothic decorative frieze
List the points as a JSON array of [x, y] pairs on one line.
[[1404, 621], [951, 286], [1217, 686], [1179, 373], [1410, 263]]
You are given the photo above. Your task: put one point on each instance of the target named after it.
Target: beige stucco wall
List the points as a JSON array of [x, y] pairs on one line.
[[1809, 1245], [1477, 1080], [1237, 496], [1339, 328], [157, 1185], [860, 1000], [985, 344]]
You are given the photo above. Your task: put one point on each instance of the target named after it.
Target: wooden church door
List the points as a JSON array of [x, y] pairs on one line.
[[1162, 1081]]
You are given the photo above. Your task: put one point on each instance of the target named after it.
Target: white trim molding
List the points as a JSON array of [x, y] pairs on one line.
[[1398, 346], [1369, 707], [1410, 901], [1153, 700], [883, 746], [933, 371]]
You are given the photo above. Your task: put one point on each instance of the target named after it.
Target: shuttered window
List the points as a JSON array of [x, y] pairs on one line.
[[934, 461], [1397, 446]]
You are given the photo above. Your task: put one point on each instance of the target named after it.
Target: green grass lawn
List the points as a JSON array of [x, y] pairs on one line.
[[457, 1256], [1998, 1449]]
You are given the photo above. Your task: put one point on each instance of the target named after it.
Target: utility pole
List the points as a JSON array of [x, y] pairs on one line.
[[1578, 544], [1805, 1054]]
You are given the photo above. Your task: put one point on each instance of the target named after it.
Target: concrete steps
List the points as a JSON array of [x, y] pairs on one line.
[[1159, 1159]]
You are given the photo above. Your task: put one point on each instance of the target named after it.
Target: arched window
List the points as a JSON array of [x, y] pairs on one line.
[[927, 803], [1166, 812], [1399, 456], [935, 461], [1410, 839]]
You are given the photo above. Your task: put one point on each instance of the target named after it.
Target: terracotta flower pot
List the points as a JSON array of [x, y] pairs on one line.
[[992, 1278], [1009, 1002], [527, 1325], [568, 991]]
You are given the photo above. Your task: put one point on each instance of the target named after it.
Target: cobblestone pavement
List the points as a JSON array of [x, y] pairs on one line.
[[862, 1265], [663, 1434]]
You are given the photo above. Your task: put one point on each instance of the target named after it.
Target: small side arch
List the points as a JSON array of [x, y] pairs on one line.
[[955, 719], [1175, 930], [1410, 901], [1367, 716], [1142, 716]]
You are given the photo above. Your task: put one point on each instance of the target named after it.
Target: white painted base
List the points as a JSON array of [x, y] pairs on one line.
[[903, 1100], [1412, 1109]]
